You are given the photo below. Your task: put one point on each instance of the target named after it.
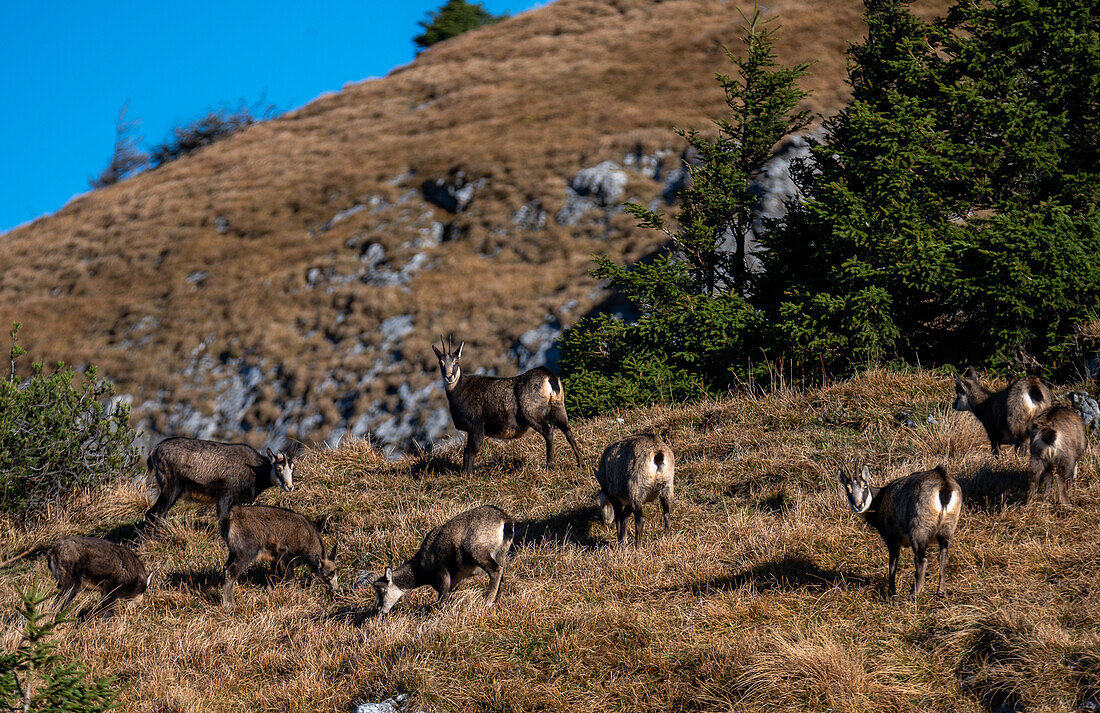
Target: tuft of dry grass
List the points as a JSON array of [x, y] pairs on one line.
[[768, 594]]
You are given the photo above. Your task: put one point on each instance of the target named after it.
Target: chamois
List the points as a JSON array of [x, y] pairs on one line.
[[1006, 415], [230, 473], [632, 472], [908, 512], [116, 572], [503, 407], [1057, 443], [285, 537], [473, 541]]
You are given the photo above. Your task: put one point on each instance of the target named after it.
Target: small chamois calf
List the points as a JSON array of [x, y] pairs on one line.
[[473, 541], [503, 407], [229, 473], [908, 512], [116, 572], [287, 538], [1006, 415], [635, 471], [1057, 443]]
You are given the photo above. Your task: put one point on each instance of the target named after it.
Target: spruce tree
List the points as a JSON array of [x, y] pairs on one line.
[[694, 333]]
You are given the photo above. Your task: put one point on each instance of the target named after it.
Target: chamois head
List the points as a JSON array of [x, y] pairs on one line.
[[448, 360], [282, 467], [964, 385], [326, 570], [858, 489], [388, 593]]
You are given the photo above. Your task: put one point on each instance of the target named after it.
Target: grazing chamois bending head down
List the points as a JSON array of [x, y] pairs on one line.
[[287, 538], [1006, 415], [1057, 443], [912, 512], [229, 473], [632, 472], [488, 406], [116, 572], [474, 541]]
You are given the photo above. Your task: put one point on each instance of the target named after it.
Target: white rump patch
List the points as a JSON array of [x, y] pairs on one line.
[[953, 503], [547, 389]]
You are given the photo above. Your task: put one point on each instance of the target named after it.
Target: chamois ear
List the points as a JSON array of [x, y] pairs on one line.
[[866, 474], [970, 373], [388, 576], [458, 354], [438, 354], [270, 455], [842, 476]]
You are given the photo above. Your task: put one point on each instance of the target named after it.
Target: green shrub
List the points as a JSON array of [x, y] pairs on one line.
[[953, 216], [34, 678], [59, 432], [452, 19]]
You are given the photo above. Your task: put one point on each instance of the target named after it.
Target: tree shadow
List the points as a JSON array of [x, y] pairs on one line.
[[994, 487], [569, 527], [788, 573]]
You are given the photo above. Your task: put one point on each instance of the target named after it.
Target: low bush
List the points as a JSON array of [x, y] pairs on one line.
[[59, 431]]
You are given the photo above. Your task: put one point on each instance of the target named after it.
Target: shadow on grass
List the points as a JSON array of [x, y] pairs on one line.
[[208, 581], [432, 463], [994, 487], [569, 527], [123, 534], [788, 573]]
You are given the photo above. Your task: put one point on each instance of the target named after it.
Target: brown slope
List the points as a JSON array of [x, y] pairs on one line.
[[212, 255]]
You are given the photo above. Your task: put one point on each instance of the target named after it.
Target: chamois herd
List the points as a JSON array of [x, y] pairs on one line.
[[914, 511]]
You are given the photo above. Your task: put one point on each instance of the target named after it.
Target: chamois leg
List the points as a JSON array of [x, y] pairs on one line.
[[895, 552], [945, 544], [1035, 474], [548, 436], [443, 586], [666, 509], [473, 445], [169, 494], [561, 422], [621, 513], [920, 559], [234, 568], [1060, 485], [105, 609], [639, 526], [495, 571]]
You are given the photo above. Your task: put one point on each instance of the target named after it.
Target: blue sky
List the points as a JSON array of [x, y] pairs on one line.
[[69, 67]]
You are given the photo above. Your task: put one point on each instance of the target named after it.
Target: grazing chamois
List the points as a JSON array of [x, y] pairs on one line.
[[287, 538], [116, 572], [908, 512], [1006, 414], [1057, 443], [635, 471], [230, 473], [476, 540], [503, 407]]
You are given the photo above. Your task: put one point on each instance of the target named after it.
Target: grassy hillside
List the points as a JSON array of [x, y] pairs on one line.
[[768, 595], [263, 266]]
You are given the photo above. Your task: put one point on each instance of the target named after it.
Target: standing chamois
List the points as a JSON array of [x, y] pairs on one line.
[[1057, 443], [503, 407], [471, 542], [1006, 415], [230, 473], [908, 512], [116, 572], [635, 471], [287, 538]]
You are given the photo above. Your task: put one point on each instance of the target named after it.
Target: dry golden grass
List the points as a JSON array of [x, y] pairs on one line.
[[523, 104], [768, 594]]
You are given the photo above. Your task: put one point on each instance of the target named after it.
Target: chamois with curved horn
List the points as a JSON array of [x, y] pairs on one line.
[[506, 408]]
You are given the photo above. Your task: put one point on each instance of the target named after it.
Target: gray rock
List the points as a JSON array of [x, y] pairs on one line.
[[536, 346], [1087, 407], [605, 183]]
